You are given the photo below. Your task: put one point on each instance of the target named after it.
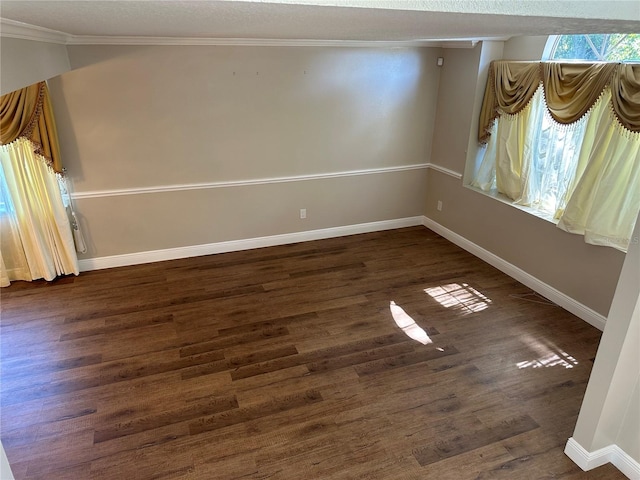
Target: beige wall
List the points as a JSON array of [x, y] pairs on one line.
[[25, 62], [525, 48], [139, 223], [456, 99], [144, 117], [584, 272]]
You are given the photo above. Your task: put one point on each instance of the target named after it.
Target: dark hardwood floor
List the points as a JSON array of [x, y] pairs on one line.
[[286, 363]]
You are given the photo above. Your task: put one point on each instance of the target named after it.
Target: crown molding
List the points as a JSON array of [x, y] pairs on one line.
[[13, 29], [25, 31], [459, 43], [246, 42]]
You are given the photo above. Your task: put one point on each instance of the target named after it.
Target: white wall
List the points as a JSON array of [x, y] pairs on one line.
[[25, 62], [151, 117], [628, 438], [5, 469], [610, 412]]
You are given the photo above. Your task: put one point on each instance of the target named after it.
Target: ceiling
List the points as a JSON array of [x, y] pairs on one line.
[[328, 20]]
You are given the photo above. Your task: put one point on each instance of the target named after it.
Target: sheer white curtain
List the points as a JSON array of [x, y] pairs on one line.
[[553, 154], [36, 238], [585, 175], [604, 200], [13, 263], [532, 159]]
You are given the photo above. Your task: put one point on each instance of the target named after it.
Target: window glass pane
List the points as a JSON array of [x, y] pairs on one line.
[[5, 201], [617, 47]]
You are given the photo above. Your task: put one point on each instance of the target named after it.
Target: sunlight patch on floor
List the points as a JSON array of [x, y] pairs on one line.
[[561, 359], [548, 355], [408, 324], [459, 296]]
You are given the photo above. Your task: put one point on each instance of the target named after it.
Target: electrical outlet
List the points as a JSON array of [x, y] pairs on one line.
[[439, 207], [303, 213]]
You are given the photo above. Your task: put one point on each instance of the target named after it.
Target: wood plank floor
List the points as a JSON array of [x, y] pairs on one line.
[[286, 363]]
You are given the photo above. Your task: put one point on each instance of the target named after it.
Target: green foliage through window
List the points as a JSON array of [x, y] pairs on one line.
[[614, 47]]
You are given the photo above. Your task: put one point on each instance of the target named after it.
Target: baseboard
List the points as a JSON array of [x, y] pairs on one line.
[[99, 263], [612, 454], [584, 459], [625, 463], [578, 309]]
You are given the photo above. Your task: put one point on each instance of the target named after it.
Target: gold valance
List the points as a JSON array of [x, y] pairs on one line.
[[570, 90], [27, 113]]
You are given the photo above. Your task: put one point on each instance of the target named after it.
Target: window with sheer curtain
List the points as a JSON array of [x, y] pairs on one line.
[[576, 165], [36, 236]]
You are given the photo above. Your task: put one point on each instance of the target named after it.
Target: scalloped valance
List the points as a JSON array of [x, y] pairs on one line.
[[27, 113], [570, 90]]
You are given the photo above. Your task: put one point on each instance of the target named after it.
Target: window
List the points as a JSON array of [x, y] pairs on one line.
[[545, 167], [5, 200], [615, 47]]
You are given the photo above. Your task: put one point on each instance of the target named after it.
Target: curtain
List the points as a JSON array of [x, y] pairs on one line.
[[39, 243], [566, 142], [605, 200], [36, 239], [27, 113], [509, 89], [570, 90], [13, 263]]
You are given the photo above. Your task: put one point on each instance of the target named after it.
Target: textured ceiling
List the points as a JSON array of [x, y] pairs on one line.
[[382, 20]]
